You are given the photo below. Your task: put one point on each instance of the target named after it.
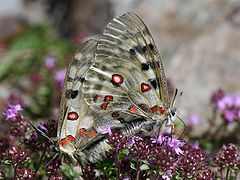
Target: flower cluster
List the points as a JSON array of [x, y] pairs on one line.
[[12, 113], [228, 157], [168, 154], [17, 155], [192, 162], [228, 105]]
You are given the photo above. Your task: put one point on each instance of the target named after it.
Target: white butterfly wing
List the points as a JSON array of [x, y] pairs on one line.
[[128, 74], [75, 113]]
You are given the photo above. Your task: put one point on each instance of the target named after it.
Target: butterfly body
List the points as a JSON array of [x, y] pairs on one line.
[[118, 82]]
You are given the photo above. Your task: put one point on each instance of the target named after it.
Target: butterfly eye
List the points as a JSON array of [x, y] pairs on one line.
[[173, 112]]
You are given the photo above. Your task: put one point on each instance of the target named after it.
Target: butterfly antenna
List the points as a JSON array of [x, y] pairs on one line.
[[174, 97], [42, 133], [177, 99], [184, 125]]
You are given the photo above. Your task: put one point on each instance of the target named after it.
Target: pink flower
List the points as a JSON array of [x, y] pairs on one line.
[[193, 120], [60, 76], [226, 101], [50, 63], [175, 144], [196, 145], [229, 115], [105, 130], [12, 111], [160, 139]]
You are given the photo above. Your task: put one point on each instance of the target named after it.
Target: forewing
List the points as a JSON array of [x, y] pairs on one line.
[[128, 75]]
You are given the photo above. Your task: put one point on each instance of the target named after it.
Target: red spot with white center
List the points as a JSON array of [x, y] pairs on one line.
[[72, 116], [108, 98], [117, 79], [145, 87]]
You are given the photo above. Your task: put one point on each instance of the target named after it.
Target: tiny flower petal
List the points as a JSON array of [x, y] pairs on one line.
[[50, 63], [60, 76], [106, 130], [193, 120], [229, 115]]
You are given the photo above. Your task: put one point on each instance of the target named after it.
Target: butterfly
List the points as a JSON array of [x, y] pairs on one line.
[[118, 82]]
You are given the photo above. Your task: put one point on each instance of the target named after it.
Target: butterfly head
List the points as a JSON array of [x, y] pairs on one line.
[[172, 111]]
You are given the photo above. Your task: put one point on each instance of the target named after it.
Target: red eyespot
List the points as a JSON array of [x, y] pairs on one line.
[[108, 98], [117, 79], [72, 116], [145, 87]]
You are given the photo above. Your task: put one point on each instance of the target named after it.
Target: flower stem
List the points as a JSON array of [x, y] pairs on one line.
[[138, 172], [40, 160], [227, 173], [15, 171]]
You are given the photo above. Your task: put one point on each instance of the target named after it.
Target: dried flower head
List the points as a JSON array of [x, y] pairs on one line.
[[228, 156], [53, 167], [191, 162], [206, 175], [24, 173], [17, 155], [117, 140]]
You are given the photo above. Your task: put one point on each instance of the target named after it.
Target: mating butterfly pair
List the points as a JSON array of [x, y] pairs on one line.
[[117, 82]]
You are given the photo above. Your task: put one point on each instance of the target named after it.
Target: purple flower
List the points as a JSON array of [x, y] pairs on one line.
[[12, 111], [42, 127], [229, 115], [193, 120], [60, 76], [106, 130], [226, 101], [165, 176], [175, 144], [159, 139], [196, 145], [50, 63]]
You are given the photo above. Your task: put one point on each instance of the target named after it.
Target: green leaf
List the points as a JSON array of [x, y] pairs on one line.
[[123, 154], [133, 166], [144, 167]]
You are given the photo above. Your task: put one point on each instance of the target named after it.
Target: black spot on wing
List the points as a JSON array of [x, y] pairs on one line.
[[145, 66], [153, 83], [81, 79], [151, 46], [132, 52], [69, 79], [144, 49], [71, 94]]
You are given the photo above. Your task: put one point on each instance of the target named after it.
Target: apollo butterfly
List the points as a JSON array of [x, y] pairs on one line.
[[117, 81]]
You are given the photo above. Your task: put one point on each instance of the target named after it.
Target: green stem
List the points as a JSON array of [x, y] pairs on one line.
[[40, 160], [227, 173]]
